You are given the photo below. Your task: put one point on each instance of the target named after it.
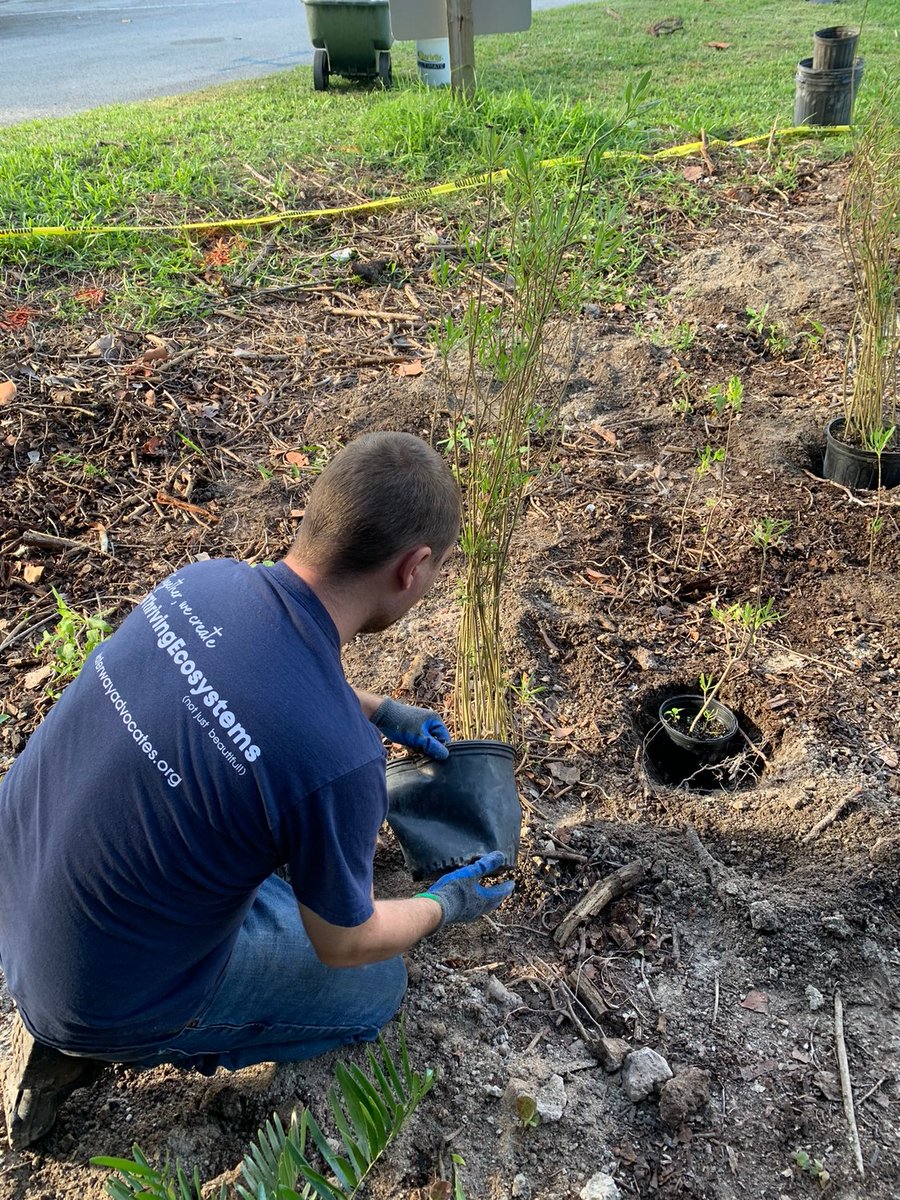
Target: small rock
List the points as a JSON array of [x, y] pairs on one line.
[[501, 994], [521, 1188], [643, 1072], [838, 926], [681, 1097], [491, 1089], [600, 1187], [551, 1099], [764, 917], [610, 1053], [814, 998]]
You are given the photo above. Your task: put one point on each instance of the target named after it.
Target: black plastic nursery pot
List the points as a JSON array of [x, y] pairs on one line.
[[711, 739], [854, 467], [446, 814], [834, 48], [826, 97]]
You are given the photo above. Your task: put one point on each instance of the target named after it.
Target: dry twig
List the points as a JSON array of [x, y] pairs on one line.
[[846, 1086]]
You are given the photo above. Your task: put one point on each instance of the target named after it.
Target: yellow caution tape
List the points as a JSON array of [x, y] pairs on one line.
[[416, 195]]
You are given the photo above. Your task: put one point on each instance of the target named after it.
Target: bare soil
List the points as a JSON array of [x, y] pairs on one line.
[[755, 907]]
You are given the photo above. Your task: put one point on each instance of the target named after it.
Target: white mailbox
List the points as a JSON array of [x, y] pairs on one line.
[[417, 20]]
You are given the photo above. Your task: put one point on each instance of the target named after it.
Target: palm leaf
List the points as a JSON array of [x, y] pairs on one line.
[[368, 1116]]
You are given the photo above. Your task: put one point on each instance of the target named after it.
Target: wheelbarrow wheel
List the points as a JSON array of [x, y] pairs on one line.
[[320, 70], [385, 74]]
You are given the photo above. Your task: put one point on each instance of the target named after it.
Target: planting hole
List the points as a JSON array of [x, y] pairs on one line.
[[671, 766]]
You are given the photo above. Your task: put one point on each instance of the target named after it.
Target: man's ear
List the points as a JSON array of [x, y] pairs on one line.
[[410, 564]]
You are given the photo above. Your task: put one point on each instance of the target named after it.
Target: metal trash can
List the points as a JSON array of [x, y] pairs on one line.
[[352, 38]]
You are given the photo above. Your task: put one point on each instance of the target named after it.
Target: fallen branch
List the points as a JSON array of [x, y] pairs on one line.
[[195, 510], [49, 541], [846, 1086], [829, 819], [377, 314], [598, 897]]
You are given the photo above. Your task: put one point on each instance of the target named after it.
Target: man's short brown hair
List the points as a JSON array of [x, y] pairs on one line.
[[383, 494]]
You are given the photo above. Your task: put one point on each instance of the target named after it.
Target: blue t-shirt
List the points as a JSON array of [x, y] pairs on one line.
[[210, 740]]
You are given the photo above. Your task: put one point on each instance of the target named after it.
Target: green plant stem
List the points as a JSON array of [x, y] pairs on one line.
[[720, 495]]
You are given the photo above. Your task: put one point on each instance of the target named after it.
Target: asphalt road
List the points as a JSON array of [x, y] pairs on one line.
[[64, 56]]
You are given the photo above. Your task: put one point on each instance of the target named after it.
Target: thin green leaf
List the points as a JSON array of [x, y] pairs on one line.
[[320, 1185], [334, 1162], [125, 1164], [359, 1094], [392, 1071], [360, 1162]]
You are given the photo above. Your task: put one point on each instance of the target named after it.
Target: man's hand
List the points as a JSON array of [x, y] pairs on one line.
[[420, 728], [461, 894]]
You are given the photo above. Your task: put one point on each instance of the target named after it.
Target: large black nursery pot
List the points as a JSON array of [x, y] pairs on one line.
[[446, 814], [854, 467], [705, 746], [826, 97]]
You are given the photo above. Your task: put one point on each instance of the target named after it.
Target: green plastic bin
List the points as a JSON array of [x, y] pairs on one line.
[[352, 38]]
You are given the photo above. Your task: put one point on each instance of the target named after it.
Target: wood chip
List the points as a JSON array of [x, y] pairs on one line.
[[35, 678], [757, 1002]]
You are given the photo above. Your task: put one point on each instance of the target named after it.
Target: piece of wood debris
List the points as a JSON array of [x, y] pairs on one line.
[[598, 897], [49, 541]]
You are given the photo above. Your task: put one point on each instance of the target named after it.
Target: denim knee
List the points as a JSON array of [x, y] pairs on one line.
[[387, 995]]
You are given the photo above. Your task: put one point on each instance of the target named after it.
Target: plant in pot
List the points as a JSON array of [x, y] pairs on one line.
[[698, 722], [506, 354], [863, 446]]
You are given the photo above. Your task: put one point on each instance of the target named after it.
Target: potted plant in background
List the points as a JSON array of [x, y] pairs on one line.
[[862, 446]]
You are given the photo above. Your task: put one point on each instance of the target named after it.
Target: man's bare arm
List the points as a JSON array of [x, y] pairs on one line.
[[394, 927]]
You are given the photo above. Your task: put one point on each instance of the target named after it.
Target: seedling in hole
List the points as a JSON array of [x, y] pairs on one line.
[[741, 623]]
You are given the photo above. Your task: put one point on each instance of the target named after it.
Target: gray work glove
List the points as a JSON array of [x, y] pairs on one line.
[[461, 895], [420, 728]]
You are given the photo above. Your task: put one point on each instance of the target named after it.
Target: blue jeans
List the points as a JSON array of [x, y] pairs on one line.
[[276, 1002]]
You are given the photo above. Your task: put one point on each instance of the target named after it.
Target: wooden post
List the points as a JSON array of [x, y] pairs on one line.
[[461, 31]]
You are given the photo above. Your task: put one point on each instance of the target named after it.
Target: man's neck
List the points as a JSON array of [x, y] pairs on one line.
[[340, 606]]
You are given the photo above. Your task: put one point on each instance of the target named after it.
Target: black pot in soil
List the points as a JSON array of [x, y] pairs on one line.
[[711, 738], [854, 467], [447, 814]]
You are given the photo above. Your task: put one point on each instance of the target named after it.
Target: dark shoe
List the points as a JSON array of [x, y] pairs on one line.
[[37, 1080]]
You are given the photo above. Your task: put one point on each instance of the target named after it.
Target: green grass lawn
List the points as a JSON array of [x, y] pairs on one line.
[[553, 89]]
